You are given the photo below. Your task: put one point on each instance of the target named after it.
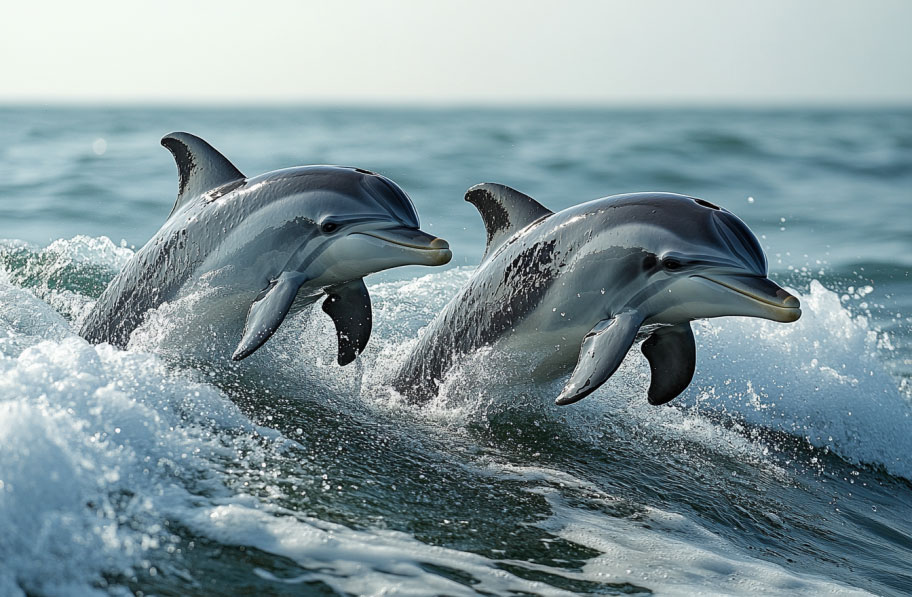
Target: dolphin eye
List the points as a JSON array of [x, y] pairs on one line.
[[671, 264], [328, 227]]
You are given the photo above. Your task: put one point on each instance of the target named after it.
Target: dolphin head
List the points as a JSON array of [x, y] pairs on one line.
[[675, 259], [360, 223], [707, 263]]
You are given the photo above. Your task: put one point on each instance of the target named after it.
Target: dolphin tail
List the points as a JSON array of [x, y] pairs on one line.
[[603, 349], [349, 306]]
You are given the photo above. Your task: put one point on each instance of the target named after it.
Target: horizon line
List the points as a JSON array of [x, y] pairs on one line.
[[632, 105]]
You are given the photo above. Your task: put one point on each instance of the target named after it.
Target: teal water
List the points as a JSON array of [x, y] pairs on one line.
[[784, 468]]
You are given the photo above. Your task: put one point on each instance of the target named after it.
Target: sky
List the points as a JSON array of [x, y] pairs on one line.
[[471, 52]]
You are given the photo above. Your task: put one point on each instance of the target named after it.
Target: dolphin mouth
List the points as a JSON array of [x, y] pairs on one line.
[[433, 248], [785, 306]]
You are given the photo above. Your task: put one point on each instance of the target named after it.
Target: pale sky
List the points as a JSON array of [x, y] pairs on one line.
[[657, 52]]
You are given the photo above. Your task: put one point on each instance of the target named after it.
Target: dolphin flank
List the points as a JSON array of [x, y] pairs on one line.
[[574, 290], [269, 245]]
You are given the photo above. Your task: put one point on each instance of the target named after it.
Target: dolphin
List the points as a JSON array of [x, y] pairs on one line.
[[582, 285], [271, 244]]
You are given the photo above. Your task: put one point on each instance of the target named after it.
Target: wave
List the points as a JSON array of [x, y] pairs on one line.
[[822, 379], [115, 463], [128, 451]]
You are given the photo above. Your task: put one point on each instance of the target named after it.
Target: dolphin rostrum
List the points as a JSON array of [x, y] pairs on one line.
[[270, 244], [582, 285]]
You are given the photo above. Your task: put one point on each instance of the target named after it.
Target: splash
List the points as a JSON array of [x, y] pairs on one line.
[[99, 446], [66, 273], [821, 379], [105, 451]]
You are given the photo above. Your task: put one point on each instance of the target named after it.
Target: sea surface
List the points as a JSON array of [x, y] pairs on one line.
[[785, 468]]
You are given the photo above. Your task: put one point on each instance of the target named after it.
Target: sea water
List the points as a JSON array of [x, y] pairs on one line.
[[785, 468]]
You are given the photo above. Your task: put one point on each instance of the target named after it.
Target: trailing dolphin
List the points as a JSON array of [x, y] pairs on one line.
[[582, 285], [271, 245]]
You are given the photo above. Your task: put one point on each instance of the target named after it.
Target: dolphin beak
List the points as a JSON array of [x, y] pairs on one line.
[[760, 296], [427, 249]]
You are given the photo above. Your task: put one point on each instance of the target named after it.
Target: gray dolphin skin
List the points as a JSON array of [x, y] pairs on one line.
[[270, 244], [582, 285]]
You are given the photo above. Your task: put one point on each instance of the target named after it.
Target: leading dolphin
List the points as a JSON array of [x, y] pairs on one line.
[[269, 244], [582, 285]]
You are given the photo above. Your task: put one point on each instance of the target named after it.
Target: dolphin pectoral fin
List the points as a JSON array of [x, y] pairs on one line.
[[603, 349], [349, 306], [672, 355], [267, 312]]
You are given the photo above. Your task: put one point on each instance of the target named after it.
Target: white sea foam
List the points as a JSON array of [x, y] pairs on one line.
[[45, 268], [99, 448], [25, 320], [820, 378], [102, 447], [100, 251], [641, 553], [96, 446], [663, 551], [380, 562]]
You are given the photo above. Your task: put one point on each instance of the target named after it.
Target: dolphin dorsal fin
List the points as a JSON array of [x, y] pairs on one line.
[[505, 211], [200, 167]]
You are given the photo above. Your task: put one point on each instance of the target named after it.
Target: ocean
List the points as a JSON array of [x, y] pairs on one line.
[[785, 467]]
